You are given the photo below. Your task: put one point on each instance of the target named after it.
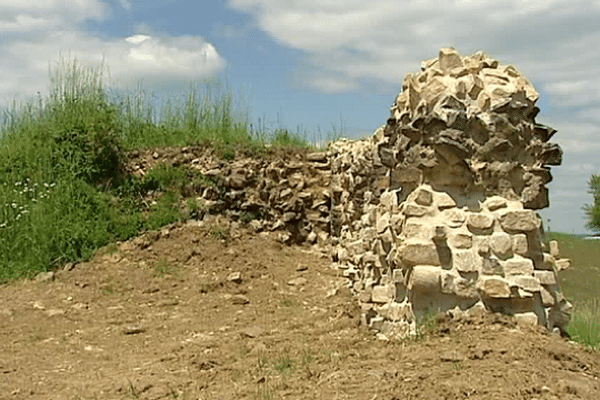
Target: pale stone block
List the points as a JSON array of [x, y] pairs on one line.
[[519, 266], [452, 283], [376, 323], [526, 319], [460, 240], [480, 221], [520, 244], [396, 311], [547, 297], [387, 238], [466, 261], [529, 283], [382, 293], [548, 262], [425, 279], [365, 295], [519, 221], [442, 200], [449, 59], [423, 197], [495, 288], [419, 252], [562, 264], [554, 249], [501, 244], [453, 217], [389, 199], [383, 222], [398, 276], [494, 203], [492, 266], [417, 230], [482, 244], [546, 277], [414, 210]]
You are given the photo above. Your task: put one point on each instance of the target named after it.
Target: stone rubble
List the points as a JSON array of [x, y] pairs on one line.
[[434, 212]]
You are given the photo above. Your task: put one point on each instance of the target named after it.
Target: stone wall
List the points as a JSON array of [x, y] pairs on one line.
[[435, 211]]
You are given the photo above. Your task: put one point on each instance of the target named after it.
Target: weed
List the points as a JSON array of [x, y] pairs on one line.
[[163, 268], [585, 323], [219, 232]]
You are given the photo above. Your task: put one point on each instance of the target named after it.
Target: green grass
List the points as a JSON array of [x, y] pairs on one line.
[[64, 191], [580, 285]]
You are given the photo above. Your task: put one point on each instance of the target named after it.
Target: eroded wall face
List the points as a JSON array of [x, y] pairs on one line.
[[435, 211]]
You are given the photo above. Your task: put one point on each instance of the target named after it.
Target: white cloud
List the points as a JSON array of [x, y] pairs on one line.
[[125, 4], [40, 31]]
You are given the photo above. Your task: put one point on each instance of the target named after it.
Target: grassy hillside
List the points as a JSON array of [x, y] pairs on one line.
[[63, 188]]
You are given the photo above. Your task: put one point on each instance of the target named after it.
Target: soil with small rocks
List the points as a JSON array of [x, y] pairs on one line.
[[188, 314]]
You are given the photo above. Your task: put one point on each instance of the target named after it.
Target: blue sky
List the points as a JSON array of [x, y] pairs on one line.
[[319, 64]]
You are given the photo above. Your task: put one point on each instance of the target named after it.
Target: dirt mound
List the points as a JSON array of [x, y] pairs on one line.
[[210, 310]]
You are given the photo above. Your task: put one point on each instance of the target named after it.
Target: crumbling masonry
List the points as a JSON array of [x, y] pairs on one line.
[[435, 212]]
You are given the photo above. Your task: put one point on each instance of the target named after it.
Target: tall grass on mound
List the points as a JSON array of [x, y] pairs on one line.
[[580, 285], [205, 114], [585, 323], [64, 191]]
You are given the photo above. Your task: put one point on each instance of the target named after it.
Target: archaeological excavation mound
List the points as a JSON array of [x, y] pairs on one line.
[[435, 212]]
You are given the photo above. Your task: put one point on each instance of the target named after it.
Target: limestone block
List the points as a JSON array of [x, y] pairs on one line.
[[494, 288], [383, 223], [387, 239], [423, 196], [547, 297], [454, 284], [460, 239], [415, 252], [494, 203], [482, 244], [365, 295], [545, 277], [519, 221], [398, 276], [518, 266], [492, 266], [449, 59], [376, 323], [562, 264], [453, 217], [547, 262], [466, 261], [480, 222], [520, 244], [389, 199], [382, 293], [425, 279], [414, 210], [501, 245], [526, 319], [442, 200], [554, 249], [529, 283], [396, 311]]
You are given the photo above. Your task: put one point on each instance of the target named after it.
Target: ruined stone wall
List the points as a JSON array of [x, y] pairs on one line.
[[445, 219], [433, 212]]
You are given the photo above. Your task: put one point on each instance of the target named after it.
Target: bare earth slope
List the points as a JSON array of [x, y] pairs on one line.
[[161, 317]]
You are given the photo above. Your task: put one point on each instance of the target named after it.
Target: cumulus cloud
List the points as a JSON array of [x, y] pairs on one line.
[[47, 28]]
